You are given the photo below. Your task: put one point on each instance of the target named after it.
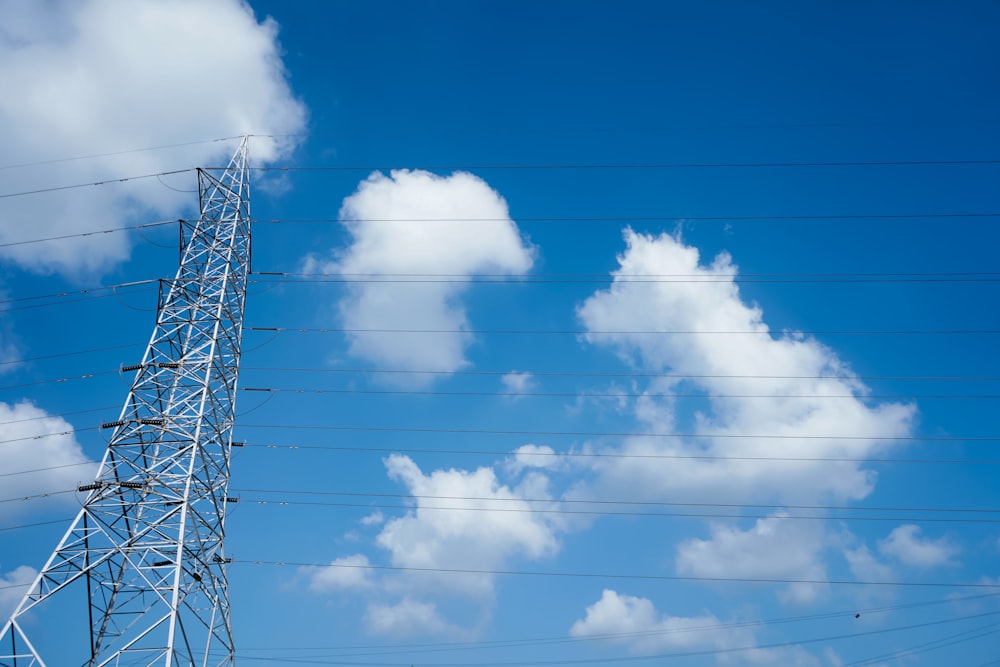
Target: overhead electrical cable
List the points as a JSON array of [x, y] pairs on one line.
[[88, 290], [47, 468], [89, 233], [114, 153], [738, 436], [639, 166], [657, 218], [629, 513], [933, 645], [585, 394], [563, 639], [54, 434], [613, 575], [584, 332], [582, 374], [32, 525], [108, 181], [70, 354], [651, 503], [616, 455], [536, 279], [59, 415], [85, 376]]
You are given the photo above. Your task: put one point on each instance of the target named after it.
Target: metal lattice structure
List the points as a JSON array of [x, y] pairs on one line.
[[145, 554]]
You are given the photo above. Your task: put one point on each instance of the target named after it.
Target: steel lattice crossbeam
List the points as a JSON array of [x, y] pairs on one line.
[[145, 554]]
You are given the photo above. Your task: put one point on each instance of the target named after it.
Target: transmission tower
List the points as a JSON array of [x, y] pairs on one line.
[[140, 576]]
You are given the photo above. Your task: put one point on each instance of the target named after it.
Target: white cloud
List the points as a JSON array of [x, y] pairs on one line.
[[407, 618], [517, 383], [906, 545], [100, 76], [449, 527], [635, 622], [865, 566], [30, 444], [529, 456], [796, 407], [343, 573], [13, 586], [415, 222], [462, 537], [373, 519], [773, 548]]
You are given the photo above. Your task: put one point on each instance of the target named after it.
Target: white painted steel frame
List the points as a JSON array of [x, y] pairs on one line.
[[147, 545]]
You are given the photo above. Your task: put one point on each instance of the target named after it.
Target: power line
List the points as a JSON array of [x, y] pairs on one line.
[[59, 415], [534, 373], [53, 434], [394, 279], [47, 468], [81, 234], [59, 355], [506, 643], [86, 185], [583, 332], [632, 513], [740, 436], [87, 290], [32, 525], [38, 496], [114, 153], [641, 577], [943, 642], [85, 376], [656, 218], [616, 455], [650, 503], [528, 394], [641, 166]]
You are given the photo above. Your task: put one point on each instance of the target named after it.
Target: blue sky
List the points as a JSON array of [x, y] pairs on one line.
[[542, 185]]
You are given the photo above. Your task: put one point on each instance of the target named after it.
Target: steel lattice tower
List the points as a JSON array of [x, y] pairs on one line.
[[145, 554]]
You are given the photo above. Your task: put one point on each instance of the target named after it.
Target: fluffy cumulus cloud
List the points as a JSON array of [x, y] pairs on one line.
[[907, 545], [415, 222], [773, 548], [790, 389], [786, 386], [461, 519], [636, 623], [453, 526], [104, 76], [35, 441]]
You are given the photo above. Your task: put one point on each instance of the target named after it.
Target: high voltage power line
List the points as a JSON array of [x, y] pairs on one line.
[[738, 436], [532, 167], [633, 513], [508, 643], [779, 510], [613, 575], [640, 434], [615, 455], [588, 394], [586, 332], [641, 166]]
